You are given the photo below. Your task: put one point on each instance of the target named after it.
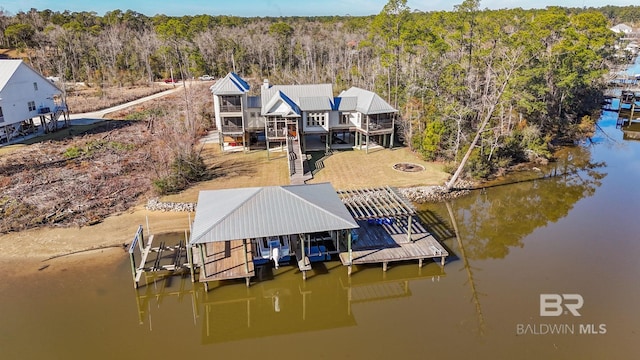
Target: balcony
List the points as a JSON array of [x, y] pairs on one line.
[[277, 133], [230, 104], [381, 125], [230, 108], [231, 128]]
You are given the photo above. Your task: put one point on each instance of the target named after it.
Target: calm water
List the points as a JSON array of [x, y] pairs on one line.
[[577, 233]]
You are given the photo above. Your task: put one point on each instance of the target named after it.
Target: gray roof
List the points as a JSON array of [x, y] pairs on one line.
[[232, 84], [296, 92], [317, 103], [345, 103], [246, 213], [369, 103]]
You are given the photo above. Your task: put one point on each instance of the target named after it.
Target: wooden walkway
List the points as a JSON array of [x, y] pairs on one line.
[[389, 243], [298, 168], [224, 260]]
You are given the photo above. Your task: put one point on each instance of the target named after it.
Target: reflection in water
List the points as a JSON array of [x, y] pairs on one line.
[[469, 270], [563, 234], [502, 216], [288, 305]]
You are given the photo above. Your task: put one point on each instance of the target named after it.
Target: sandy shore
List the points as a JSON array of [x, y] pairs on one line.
[[57, 249]]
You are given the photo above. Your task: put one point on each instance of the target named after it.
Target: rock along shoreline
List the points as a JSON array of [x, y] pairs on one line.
[[416, 194], [435, 193]]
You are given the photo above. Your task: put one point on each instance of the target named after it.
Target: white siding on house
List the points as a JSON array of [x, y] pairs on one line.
[[216, 110], [20, 101], [253, 119], [315, 121]]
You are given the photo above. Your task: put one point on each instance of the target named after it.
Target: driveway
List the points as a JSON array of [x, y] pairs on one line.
[[95, 115]]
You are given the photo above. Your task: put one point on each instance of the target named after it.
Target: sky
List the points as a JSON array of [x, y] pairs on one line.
[[251, 8]]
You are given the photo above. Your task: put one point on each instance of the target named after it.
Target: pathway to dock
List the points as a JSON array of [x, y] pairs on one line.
[[298, 167]]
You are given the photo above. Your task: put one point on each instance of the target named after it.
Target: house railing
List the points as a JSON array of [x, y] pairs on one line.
[[292, 155], [277, 133], [230, 108], [231, 128], [376, 125]]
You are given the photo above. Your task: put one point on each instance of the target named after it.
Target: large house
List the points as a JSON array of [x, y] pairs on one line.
[[308, 114], [24, 95]]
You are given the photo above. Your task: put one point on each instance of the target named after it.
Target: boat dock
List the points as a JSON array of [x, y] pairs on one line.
[[152, 259], [389, 230], [389, 243], [314, 223], [226, 260]]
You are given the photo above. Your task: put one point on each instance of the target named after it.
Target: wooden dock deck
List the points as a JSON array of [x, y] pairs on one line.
[[224, 260], [390, 243], [154, 259]]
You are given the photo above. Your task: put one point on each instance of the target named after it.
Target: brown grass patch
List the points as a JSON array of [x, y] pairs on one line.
[[82, 99], [237, 170]]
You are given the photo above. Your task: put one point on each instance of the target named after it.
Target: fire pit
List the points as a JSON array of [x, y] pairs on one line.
[[408, 167]]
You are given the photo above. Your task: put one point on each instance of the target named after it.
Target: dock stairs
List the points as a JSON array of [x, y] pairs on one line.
[[298, 166]]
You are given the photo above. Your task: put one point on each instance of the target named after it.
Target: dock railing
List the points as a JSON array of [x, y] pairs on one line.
[[138, 239]]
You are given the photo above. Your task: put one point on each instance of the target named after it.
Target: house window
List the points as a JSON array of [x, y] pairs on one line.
[[1, 115], [345, 118], [32, 105], [316, 119], [35, 86]]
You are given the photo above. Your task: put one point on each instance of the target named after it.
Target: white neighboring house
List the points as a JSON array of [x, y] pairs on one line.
[[622, 29], [25, 94]]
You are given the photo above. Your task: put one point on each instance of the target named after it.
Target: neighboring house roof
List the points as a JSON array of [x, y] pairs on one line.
[[8, 67], [232, 84], [297, 92], [247, 213], [622, 28], [369, 103]]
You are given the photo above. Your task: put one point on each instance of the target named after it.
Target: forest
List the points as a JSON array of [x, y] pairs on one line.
[[489, 88]]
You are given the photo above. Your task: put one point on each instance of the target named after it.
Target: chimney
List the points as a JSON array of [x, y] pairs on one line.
[[265, 84]]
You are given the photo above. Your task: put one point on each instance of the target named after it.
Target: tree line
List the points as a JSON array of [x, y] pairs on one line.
[[487, 87]]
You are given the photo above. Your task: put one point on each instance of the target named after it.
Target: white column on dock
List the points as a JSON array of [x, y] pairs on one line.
[[349, 248], [409, 228], [190, 259]]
